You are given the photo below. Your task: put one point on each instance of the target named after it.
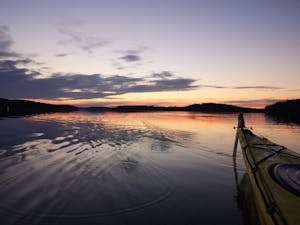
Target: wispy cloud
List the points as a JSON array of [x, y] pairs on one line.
[[213, 86], [164, 74], [257, 87], [78, 38], [242, 87], [11, 57], [6, 42], [132, 55], [19, 80], [62, 54], [131, 58]]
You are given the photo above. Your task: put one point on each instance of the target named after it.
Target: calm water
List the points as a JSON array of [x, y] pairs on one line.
[[134, 168]]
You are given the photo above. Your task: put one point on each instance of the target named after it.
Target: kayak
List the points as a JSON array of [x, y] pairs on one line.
[[274, 173]]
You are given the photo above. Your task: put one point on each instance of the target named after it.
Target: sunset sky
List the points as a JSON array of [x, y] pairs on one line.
[[158, 52]]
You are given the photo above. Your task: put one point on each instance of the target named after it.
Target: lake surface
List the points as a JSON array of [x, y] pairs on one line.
[[126, 168]]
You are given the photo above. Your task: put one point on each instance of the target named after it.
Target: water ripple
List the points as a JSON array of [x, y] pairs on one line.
[[67, 175]]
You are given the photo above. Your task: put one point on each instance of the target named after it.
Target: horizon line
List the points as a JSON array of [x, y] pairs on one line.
[[229, 103]]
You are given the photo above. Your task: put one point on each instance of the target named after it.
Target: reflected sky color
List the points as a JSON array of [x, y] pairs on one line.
[[245, 53], [285, 134], [120, 168]]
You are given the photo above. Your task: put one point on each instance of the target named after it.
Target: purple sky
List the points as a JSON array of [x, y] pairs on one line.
[[102, 52]]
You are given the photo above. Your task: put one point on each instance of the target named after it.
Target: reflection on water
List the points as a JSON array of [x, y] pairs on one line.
[[124, 168], [246, 202]]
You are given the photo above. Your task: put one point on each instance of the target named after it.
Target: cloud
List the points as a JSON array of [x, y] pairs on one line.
[[62, 54], [18, 81], [11, 64], [177, 84], [6, 42], [257, 87], [23, 83], [131, 58], [242, 87], [164, 74], [132, 55], [80, 39], [213, 86], [118, 65]]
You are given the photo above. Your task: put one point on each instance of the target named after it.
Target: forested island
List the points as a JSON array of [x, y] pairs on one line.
[[286, 111]]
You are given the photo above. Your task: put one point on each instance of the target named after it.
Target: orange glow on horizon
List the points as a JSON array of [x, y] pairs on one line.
[[113, 102], [251, 103], [238, 97]]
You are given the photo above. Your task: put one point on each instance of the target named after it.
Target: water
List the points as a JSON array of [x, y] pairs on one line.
[[125, 168]]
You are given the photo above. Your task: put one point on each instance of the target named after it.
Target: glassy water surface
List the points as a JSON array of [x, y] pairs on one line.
[[125, 168]]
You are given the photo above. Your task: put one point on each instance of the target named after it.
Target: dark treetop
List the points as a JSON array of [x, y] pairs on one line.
[[287, 111]]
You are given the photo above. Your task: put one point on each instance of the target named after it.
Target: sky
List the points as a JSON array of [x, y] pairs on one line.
[[158, 52]]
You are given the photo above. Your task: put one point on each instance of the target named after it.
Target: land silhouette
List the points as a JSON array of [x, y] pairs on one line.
[[285, 111], [24, 107]]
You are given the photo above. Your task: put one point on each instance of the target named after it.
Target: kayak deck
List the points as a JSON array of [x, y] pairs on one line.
[[276, 203]]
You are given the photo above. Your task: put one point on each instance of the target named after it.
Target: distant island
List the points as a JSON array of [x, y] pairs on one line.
[[286, 111], [23, 107]]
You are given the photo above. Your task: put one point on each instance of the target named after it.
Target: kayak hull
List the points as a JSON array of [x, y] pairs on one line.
[[275, 204]]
